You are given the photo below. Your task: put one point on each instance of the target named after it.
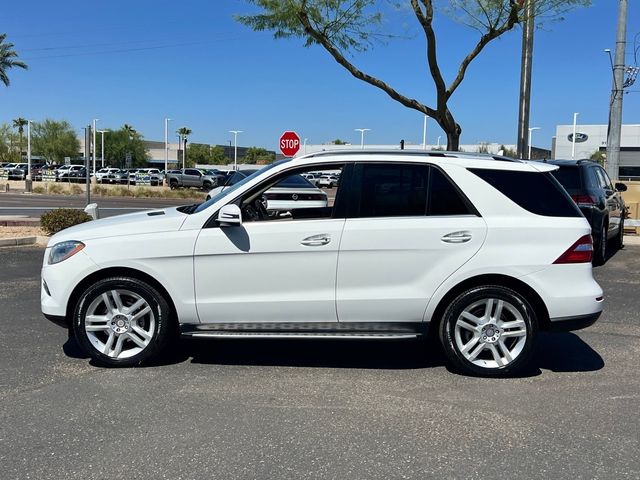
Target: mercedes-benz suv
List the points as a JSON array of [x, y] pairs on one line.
[[481, 252]]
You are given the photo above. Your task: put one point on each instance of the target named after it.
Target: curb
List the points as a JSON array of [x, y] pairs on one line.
[[40, 240]]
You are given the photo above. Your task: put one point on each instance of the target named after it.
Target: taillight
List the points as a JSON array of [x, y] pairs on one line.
[[579, 252], [584, 199]]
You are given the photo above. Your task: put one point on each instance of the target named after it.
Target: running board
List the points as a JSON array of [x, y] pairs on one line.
[[303, 335], [302, 330]]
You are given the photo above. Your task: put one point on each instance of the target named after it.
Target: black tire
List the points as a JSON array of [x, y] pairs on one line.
[[159, 309], [207, 186], [484, 367], [620, 236], [600, 246], [173, 185]]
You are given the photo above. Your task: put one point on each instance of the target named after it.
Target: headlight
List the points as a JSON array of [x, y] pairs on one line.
[[63, 250]]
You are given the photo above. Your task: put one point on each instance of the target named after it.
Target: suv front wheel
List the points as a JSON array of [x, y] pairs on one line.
[[121, 322], [488, 331]]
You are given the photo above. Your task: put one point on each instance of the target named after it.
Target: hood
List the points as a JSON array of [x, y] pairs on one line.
[[148, 221]]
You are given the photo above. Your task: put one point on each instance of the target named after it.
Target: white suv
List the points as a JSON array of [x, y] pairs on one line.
[[480, 251]]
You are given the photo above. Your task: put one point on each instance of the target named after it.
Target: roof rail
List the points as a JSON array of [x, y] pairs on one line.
[[410, 153]]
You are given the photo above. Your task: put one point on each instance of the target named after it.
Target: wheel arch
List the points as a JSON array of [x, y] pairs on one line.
[[538, 305], [120, 272]]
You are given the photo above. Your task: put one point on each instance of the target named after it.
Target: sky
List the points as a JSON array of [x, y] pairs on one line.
[[139, 61]]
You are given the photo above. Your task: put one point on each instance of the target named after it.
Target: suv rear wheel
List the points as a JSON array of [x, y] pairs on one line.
[[488, 331], [121, 322], [600, 246]]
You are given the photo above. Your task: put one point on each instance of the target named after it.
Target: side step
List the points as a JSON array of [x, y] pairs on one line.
[[303, 335], [311, 330]]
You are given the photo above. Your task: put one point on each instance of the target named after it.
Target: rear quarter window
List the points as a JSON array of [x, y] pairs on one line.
[[569, 178], [538, 193]]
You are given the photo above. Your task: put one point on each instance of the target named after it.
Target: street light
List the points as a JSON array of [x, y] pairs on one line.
[[102, 145], [439, 137], [424, 134], [531, 129], [235, 147], [362, 130], [573, 138], [95, 120], [28, 150], [166, 144]]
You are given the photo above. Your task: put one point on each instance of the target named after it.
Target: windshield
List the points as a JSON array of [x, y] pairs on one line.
[[231, 188]]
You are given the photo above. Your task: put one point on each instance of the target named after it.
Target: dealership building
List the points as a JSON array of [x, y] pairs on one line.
[[593, 138]]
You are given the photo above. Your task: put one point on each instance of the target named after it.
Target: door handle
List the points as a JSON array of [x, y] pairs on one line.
[[457, 237], [316, 240]]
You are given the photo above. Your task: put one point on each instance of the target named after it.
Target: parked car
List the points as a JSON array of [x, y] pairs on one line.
[[192, 177], [152, 174], [103, 175], [599, 201], [234, 178], [18, 172], [64, 171], [329, 181], [482, 252], [74, 175]]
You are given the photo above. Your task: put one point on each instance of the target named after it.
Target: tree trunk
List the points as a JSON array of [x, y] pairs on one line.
[[452, 130]]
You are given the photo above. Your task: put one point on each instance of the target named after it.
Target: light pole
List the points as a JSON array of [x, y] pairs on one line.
[[102, 147], [531, 129], [95, 120], [166, 144], [304, 144], [439, 137], [424, 134], [362, 130], [235, 147], [573, 137], [28, 150]]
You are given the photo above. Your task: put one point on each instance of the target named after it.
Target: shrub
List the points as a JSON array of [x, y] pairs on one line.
[[75, 189], [56, 188], [55, 220], [39, 189]]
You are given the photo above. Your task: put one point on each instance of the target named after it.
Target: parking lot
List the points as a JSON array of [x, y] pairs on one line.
[[317, 409]]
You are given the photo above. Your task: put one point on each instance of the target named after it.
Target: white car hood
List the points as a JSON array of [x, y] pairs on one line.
[[148, 221]]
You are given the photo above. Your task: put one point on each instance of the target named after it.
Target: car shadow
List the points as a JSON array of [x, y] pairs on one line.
[[557, 352]]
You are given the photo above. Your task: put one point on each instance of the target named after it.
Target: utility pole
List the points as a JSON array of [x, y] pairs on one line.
[[87, 149], [617, 92], [528, 28]]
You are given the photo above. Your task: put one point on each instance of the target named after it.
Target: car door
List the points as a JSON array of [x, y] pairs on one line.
[[408, 230], [191, 178], [270, 270], [613, 201]]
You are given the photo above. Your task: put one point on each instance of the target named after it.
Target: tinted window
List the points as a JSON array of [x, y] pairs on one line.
[[392, 190], [569, 178], [538, 193], [444, 198], [192, 172], [294, 181]]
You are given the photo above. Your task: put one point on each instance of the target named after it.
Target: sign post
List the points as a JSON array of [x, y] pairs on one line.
[[289, 143]]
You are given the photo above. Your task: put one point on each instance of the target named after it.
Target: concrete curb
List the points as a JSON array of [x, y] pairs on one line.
[[40, 240], [21, 222], [632, 240]]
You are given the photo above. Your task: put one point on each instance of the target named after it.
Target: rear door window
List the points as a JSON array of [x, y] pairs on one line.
[[538, 193], [569, 178]]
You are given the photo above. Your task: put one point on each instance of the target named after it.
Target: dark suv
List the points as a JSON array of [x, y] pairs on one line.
[[598, 199]]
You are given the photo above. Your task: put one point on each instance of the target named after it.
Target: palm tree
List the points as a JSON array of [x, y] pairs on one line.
[[130, 130], [8, 59], [20, 123], [184, 132]]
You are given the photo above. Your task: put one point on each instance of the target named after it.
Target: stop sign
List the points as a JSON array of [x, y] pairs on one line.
[[289, 143]]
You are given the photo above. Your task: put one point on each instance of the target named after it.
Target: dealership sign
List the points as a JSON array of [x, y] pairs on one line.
[[580, 137]]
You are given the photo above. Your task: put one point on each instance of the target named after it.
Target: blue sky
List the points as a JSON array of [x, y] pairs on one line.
[[139, 61]]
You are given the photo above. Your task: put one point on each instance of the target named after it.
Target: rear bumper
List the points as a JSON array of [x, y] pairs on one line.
[[567, 324], [60, 321]]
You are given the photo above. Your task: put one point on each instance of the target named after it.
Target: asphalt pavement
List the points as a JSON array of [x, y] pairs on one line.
[[317, 409], [35, 205]]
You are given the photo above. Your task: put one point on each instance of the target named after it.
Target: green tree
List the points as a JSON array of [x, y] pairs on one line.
[[598, 156], [119, 143], [337, 141], [347, 27], [199, 153], [257, 155], [8, 59], [184, 133], [20, 123], [7, 153], [218, 156], [508, 152], [54, 140]]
